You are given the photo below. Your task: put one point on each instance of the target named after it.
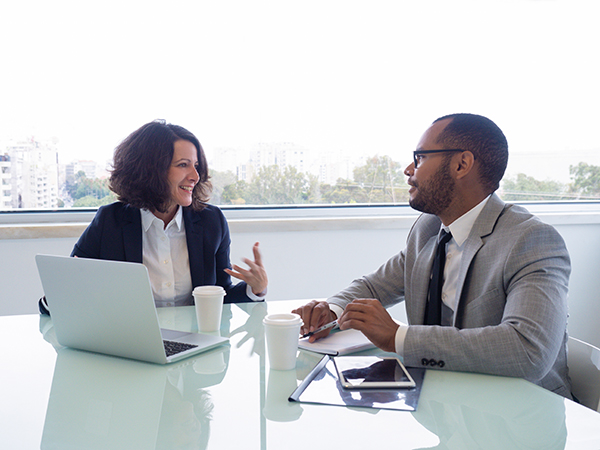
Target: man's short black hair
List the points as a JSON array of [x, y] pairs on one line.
[[484, 139]]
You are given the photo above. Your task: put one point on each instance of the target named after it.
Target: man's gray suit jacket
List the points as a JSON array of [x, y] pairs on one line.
[[511, 316]]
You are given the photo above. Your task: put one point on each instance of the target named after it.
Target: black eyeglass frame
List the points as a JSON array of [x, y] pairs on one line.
[[425, 152]]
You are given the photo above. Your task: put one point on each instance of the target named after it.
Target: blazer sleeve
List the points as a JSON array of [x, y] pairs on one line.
[[90, 242], [236, 293], [209, 243], [105, 238], [115, 234], [513, 315]]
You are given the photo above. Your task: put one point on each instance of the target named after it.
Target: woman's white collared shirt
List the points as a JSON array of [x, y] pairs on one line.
[[165, 255]]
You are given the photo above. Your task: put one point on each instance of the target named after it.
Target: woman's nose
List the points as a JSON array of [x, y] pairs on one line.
[[193, 175]]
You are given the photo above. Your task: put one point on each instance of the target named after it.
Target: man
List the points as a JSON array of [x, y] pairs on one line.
[[502, 309]]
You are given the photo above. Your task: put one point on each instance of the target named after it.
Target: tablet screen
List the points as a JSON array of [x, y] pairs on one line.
[[372, 372]]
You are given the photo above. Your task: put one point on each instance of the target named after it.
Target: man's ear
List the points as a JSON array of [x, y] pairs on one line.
[[464, 164]]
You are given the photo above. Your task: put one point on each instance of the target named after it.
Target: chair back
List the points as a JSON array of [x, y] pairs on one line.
[[583, 360]]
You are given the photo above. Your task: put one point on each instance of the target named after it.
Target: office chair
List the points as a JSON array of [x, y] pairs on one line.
[[583, 360]]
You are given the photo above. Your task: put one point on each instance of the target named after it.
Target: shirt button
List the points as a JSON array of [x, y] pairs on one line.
[[168, 284], [166, 261]]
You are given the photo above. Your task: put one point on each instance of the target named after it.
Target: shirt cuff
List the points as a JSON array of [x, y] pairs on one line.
[[400, 336], [252, 296], [336, 310]]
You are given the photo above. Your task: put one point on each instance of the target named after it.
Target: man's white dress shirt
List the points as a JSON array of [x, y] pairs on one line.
[[460, 230]]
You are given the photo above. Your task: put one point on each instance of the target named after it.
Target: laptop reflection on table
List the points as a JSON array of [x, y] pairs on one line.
[[103, 402]]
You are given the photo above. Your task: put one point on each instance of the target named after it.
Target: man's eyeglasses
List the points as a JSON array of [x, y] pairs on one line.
[[417, 154]]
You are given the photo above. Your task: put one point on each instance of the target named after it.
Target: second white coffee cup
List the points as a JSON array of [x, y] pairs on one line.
[[209, 307], [282, 332]]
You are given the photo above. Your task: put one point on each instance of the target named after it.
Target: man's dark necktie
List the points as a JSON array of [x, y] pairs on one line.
[[433, 312]]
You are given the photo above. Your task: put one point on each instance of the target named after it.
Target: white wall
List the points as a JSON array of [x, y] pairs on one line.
[[315, 257], [305, 258]]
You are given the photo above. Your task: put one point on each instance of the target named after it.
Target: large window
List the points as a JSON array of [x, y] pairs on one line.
[[295, 102]]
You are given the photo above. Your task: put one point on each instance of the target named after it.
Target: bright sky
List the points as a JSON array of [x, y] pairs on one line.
[[366, 77]]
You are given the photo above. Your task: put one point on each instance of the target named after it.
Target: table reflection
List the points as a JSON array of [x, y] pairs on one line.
[[102, 402], [472, 411], [465, 411], [99, 401]]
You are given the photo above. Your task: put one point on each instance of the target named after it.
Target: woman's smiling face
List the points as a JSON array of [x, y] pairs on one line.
[[182, 173]]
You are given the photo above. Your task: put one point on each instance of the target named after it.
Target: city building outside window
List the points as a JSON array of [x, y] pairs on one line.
[[303, 103]]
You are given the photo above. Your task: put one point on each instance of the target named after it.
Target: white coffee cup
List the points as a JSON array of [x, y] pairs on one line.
[[209, 307], [282, 332]]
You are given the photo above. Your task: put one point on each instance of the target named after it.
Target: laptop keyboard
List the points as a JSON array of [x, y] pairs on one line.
[[172, 348]]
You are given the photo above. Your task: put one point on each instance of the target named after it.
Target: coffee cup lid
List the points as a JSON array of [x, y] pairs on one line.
[[208, 290], [283, 320]]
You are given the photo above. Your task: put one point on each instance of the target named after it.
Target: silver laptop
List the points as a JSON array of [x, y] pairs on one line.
[[108, 307]]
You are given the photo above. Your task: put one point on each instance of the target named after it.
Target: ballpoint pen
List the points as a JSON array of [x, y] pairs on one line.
[[324, 327]]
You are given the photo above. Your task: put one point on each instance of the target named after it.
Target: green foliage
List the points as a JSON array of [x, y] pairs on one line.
[[219, 181], [89, 201], [523, 187], [585, 181], [233, 194], [382, 180], [88, 187], [343, 192], [272, 186], [379, 180], [584, 185]]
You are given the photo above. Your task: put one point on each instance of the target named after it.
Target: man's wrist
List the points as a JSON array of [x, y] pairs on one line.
[[336, 310], [400, 337]]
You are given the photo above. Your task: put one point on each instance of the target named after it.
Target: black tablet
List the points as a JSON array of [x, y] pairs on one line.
[[376, 372]]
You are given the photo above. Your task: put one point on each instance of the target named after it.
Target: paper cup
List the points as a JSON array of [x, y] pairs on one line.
[[209, 307], [282, 332]]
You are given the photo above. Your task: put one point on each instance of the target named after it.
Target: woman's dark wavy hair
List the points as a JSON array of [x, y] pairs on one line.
[[141, 163]]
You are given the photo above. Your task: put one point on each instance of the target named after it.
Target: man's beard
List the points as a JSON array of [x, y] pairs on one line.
[[434, 195]]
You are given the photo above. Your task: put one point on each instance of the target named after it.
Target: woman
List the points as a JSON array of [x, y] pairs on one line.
[[162, 220]]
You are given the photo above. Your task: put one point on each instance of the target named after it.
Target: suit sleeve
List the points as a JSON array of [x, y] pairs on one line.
[[236, 293], [89, 243], [530, 301], [88, 246]]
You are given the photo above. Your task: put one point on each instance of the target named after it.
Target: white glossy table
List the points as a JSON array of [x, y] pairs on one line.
[[230, 399]]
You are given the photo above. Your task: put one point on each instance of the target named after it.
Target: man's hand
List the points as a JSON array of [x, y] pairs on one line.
[[315, 314], [370, 317]]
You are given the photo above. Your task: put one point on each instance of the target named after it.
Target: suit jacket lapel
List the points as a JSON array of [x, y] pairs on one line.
[[194, 238], [483, 226], [132, 234]]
